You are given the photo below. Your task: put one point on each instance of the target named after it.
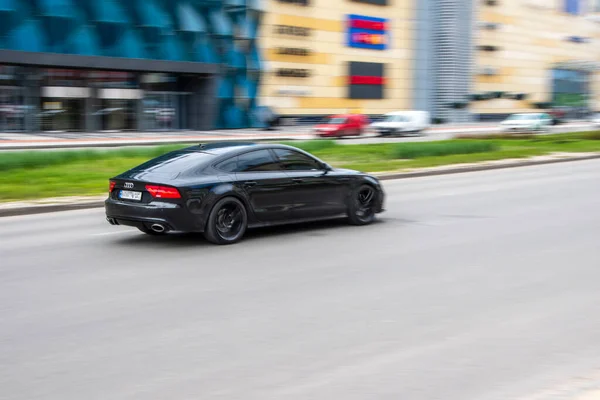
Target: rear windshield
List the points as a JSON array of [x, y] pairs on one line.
[[175, 162]]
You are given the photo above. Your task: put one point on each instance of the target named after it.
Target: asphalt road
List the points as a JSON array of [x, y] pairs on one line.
[[478, 286]]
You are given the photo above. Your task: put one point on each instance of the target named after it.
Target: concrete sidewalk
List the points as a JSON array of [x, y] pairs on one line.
[[48, 140], [60, 140]]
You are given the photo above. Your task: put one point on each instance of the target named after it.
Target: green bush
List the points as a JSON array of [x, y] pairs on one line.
[[494, 136], [594, 135], [434, 149]]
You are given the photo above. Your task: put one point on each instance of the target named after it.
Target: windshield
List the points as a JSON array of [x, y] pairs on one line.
[[395, 118], [336, 121]]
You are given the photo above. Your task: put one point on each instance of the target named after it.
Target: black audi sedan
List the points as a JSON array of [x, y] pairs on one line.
[[222, 189]]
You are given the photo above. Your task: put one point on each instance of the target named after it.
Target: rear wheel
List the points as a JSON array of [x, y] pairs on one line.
[[227, 222], [362, 205]]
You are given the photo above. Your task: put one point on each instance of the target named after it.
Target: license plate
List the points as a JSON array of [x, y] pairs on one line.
[[130, 195]]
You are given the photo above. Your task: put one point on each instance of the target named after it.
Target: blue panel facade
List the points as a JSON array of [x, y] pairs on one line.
[[222, 32]]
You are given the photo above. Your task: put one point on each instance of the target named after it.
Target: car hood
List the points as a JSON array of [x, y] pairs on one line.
[[347, 171]]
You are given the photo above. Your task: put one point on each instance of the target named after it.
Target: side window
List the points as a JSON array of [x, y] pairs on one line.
[[229, 165], [257, 161], [294, 161]]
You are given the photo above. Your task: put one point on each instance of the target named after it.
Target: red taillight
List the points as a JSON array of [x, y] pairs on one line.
[[163, 192], [111, 186]]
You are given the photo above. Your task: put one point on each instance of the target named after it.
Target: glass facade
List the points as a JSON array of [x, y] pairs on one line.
[[69, 100], [117, 95], [220, 33], [570, 88], [14, 103]]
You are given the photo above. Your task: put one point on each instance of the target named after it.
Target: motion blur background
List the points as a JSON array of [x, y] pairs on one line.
[[158, 65]]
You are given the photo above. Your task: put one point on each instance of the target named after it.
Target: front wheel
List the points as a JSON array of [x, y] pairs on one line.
[[363, 202], [227, 222]]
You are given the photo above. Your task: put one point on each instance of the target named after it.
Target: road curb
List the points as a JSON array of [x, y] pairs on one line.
[[478, 168], [49, 208]]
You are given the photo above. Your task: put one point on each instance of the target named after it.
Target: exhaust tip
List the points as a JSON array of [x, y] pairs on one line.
[[111, 221], [158, 228]]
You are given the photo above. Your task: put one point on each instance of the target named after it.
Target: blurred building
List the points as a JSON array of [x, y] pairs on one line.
[[111, 65], [461, 60], [338, 56], [94, 65], [534, 54]]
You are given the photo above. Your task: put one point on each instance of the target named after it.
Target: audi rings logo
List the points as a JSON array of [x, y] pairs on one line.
[[128, 185]]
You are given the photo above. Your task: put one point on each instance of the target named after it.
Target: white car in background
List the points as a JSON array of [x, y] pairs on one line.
[[402, 122], [596, 119], [527, 122]]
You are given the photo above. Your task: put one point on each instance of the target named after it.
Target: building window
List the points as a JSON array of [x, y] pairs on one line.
[[570, 88], [573, 7]]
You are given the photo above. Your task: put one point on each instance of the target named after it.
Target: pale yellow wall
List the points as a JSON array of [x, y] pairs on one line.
[[327, 83], [532, 39]]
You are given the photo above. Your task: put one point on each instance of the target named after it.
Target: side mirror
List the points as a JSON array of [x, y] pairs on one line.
[[326, 167]]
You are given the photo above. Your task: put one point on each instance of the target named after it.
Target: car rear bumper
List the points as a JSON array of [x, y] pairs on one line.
[[172, 216]]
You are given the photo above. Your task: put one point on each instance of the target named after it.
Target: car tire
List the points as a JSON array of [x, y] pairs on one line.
[[227, 222], [362, 207]]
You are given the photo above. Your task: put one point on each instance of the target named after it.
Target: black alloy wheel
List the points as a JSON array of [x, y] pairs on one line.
[[362, 206], [227, 222]]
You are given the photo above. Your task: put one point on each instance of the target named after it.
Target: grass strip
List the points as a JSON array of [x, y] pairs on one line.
[[42, 174]]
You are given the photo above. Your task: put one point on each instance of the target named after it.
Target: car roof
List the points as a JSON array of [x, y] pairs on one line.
[[200, 156], [219, 149]]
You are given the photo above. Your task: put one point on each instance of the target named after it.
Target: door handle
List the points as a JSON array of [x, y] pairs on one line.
[[250, 184], [297, 180], [343, 179]]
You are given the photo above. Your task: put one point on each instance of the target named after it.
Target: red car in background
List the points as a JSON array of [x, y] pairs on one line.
[[343, 125]]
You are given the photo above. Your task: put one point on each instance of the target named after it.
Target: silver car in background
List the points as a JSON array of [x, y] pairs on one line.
[[527, 122]]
